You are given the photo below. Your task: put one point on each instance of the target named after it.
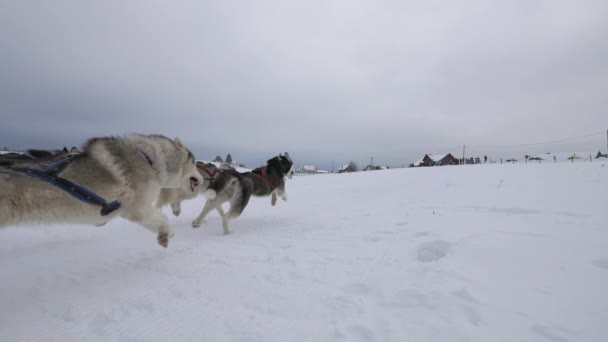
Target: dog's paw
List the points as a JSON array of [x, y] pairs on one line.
[[284, 198], [196, 223], [163, 239], [177, 212]]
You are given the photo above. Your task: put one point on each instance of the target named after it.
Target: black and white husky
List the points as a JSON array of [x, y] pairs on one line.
[[236, 188]]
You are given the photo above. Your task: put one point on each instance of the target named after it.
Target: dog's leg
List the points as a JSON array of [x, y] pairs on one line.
[[281, 191], [273, 199], [220, 210], [238, 203], [176, 207], [210, 205], [156, 221]]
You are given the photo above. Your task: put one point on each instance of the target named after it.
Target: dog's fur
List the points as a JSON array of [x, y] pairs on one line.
[[11, 158], [175, 197], [131, 170], [236, 188]]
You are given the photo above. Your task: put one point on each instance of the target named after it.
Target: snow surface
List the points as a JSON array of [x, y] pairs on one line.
[[457, 253]]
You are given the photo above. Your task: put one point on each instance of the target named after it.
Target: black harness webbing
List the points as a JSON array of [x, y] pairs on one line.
[[50, 175]]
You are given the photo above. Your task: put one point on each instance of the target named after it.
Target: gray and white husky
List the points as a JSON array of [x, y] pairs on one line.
[[236, 188], [129, 172]]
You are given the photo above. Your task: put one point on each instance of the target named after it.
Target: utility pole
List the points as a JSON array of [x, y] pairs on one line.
[[607, 142], [463, 161], [372, 161], [332, 166]]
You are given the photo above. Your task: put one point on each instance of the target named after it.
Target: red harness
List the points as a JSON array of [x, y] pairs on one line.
[[211, 175], [264, 176]]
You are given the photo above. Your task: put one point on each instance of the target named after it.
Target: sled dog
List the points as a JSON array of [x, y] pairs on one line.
[[123, 175], [174, 197], [236, 188]]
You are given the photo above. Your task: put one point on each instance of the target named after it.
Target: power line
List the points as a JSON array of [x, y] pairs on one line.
[[538, 143]]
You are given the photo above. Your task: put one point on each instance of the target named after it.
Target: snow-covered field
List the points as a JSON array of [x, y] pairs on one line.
[[466, 253]]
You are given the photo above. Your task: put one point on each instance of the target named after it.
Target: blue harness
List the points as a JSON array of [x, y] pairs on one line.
[[50, 175]]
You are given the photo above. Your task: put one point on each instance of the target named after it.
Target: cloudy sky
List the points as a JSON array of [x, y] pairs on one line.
[[325, 80]]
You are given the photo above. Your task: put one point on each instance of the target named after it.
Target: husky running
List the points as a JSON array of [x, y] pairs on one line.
[[122, 176], [236, 188]]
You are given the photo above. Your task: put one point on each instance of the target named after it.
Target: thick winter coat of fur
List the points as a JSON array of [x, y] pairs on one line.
[[131, 170], [236, 188]]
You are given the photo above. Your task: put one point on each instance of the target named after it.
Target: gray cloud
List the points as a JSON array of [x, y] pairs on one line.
[[325, 80]]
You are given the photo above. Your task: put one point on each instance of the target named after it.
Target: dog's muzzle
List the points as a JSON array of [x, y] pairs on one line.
[[194, 183]]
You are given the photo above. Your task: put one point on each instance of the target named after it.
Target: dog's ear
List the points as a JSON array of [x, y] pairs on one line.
[[287, 156], [178, 142]]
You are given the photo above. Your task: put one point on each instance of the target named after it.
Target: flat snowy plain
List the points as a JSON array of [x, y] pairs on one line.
[[464, 253]]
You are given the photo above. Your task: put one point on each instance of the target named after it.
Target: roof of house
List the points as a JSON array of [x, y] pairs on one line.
[[438, 157], [434, 157]]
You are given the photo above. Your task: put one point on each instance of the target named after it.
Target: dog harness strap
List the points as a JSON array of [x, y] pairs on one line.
[[211, 175], [264, 176], [57, 167], [49, 175]]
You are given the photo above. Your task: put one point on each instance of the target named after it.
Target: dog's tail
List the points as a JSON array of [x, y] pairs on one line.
[[222, 181]]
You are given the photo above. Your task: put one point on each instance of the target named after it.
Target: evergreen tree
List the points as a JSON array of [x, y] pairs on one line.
[[229, 159], [218, 159]]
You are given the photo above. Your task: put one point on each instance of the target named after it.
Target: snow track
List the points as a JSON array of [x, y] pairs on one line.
[[437, 254]]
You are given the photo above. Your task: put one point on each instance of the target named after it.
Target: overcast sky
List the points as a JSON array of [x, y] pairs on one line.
[[325, 80]]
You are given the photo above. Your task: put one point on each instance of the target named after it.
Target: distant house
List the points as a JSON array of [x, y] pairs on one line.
[[346, 168], [373, 168], [307, 169], [600, 155], [437, 160]]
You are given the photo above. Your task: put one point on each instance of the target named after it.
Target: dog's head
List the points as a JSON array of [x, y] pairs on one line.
[[206, 168], [183, 163], [282, 163]]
